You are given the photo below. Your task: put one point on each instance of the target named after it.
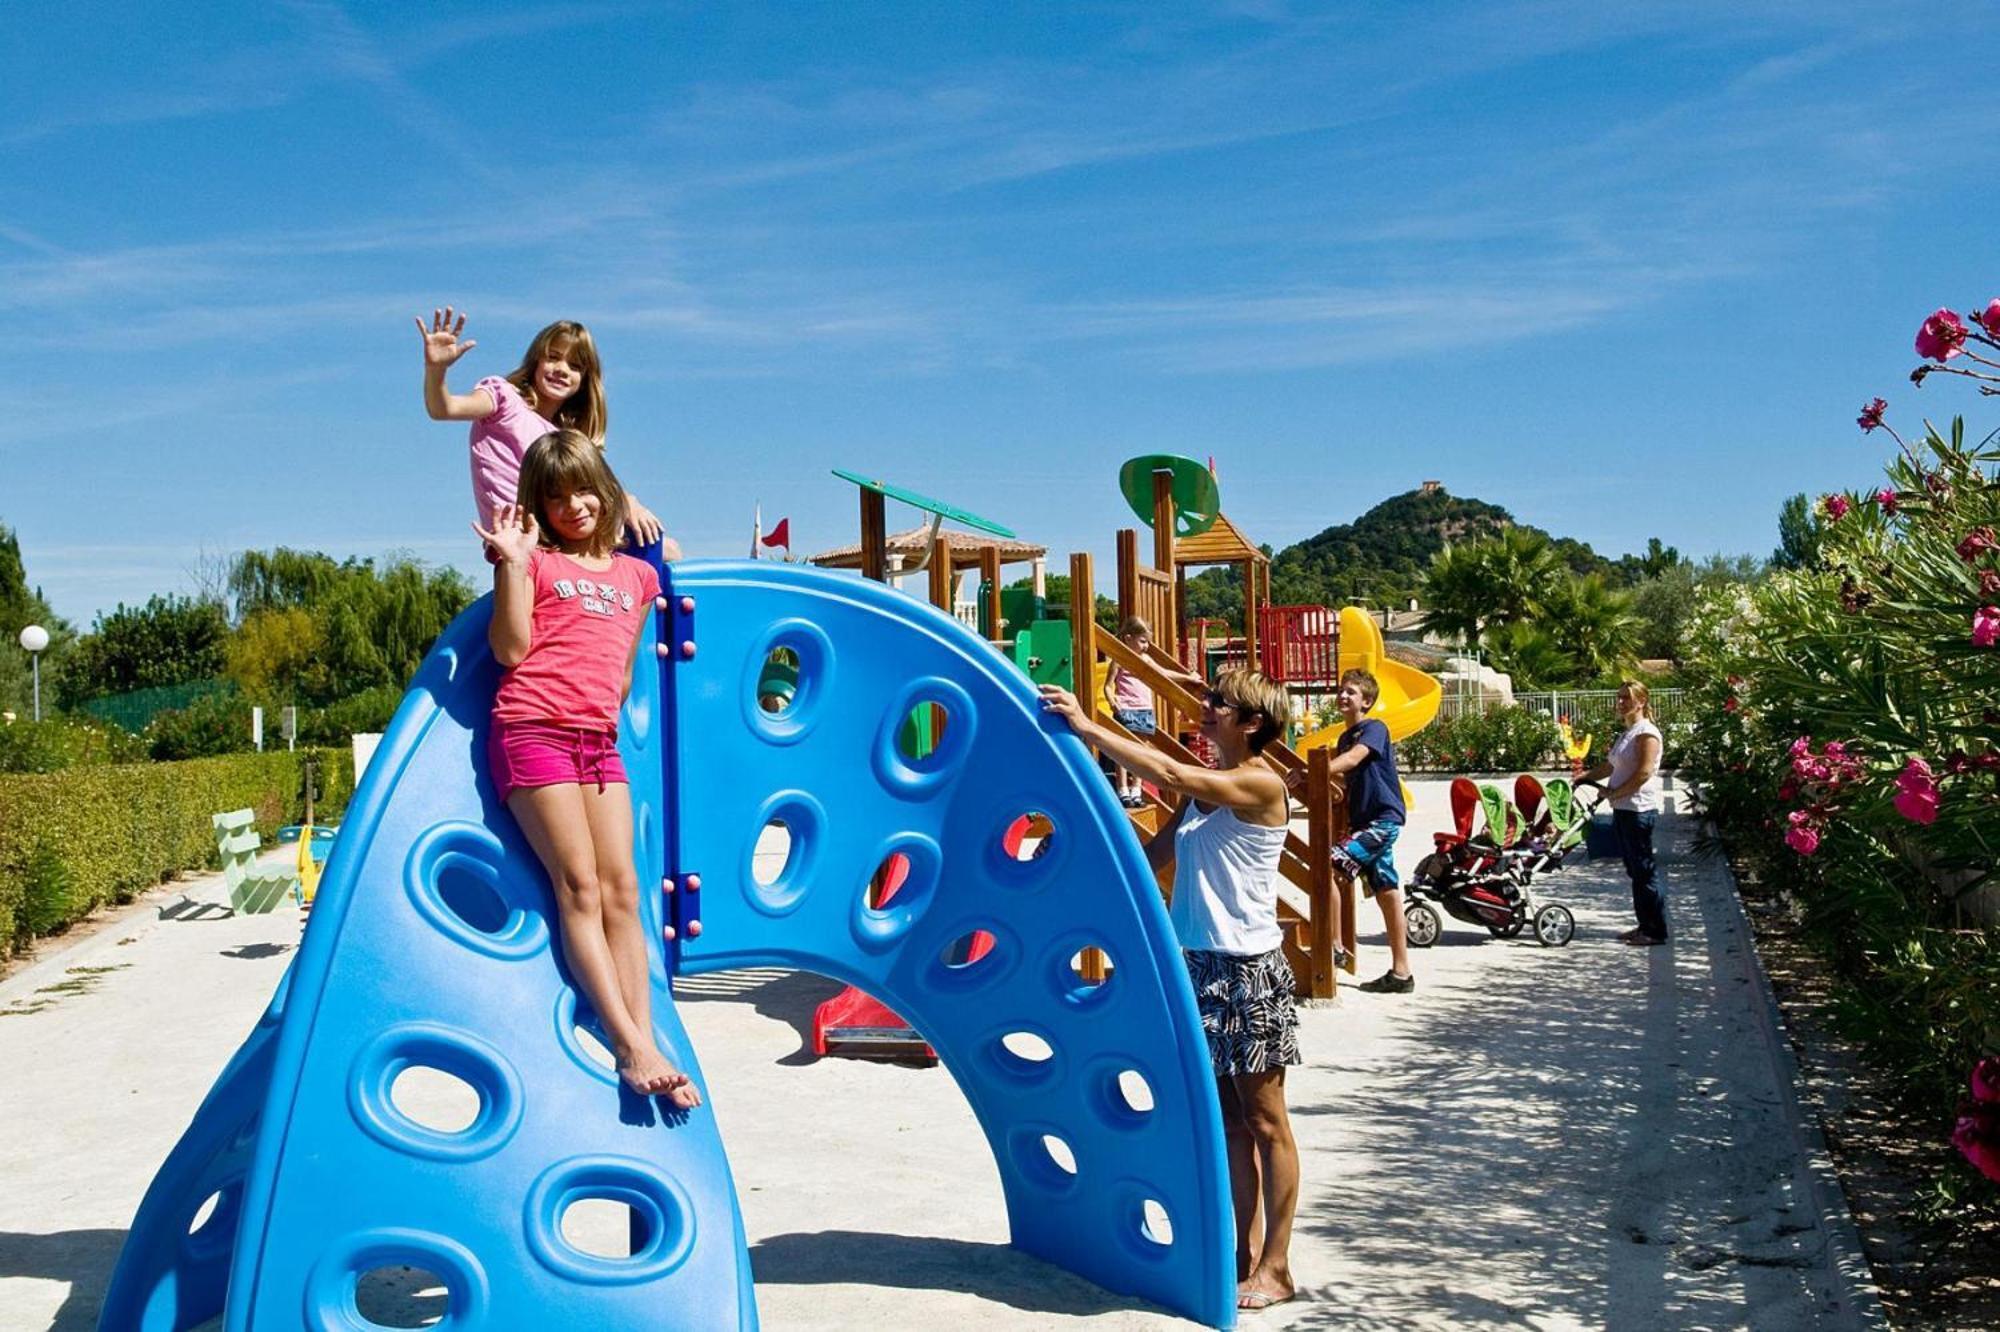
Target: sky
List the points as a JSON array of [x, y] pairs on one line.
[[1627, 270]]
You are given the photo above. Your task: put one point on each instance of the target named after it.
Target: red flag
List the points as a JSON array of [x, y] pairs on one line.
[[781, 535]]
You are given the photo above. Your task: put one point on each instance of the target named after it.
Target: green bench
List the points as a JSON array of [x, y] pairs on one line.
[[251, 891]]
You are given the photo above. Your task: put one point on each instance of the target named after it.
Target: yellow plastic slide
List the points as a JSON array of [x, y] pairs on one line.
[[1409, 698]]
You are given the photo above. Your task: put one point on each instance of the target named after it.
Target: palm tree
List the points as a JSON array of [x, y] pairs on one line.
[[1499, 580], [1454, 595], [1595, 625], [1531, 655]]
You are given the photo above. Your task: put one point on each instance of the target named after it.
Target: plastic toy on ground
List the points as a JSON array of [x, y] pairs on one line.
[[431, 949], [252, 891]]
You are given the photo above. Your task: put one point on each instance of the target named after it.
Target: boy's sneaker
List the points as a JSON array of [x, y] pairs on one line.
[[1389, 983]]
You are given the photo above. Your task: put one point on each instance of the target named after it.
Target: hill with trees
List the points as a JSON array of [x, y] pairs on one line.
[[1381, 558]]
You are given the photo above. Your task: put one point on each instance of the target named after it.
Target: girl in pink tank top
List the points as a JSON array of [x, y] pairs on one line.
[[568, 617], [559, 384]]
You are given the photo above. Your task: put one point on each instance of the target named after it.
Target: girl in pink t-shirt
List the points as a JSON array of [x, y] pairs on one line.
[[557, 385], [568, 616]]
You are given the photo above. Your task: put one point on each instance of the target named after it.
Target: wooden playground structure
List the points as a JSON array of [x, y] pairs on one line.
[[1296, 646]]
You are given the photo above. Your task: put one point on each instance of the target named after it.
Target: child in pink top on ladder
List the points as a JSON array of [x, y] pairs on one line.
[[568, 618], [558, 385]]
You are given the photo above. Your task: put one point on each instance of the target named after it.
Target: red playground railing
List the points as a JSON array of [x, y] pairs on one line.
[[1298, 645]]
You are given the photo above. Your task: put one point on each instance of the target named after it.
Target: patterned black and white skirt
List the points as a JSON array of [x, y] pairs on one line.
[[1247, 1011]]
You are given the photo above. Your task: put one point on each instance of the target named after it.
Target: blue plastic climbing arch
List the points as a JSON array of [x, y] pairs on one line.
[[430, 946]]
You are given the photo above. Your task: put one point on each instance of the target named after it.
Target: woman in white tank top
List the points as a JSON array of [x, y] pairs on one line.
[[1224, 843]]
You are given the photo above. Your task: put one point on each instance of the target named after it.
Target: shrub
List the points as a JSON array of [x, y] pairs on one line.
[[337, 723], [1509, 739], [72, 841], [217, 723], [65, 742], [1848, 746], [169, 640]]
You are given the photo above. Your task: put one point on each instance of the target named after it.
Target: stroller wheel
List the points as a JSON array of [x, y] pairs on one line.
[[1554, 925], [1422, 924], [1509, 930]]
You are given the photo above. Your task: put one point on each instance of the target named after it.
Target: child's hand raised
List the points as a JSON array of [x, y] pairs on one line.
[[441, 344], [515, 533]]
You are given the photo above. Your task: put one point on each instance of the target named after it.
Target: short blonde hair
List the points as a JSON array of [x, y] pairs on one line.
[[1640, 695], [584, 409], [1252, 691], [565, 461]]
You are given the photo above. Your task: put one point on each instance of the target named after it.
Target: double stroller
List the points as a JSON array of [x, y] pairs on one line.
[[1486, 878]]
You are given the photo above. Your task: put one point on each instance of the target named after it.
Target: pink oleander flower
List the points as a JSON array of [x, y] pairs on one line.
[[1942, 336], [1788, 790], [1986, 1080], [1917, 792], [1802, 836], [1802, 745], [1977, 1137], [1887, 499], [1976, 543], [1989, 318], [1731, 703], [1871, 415], [1986, 626], [1834, 506], [1989, 582]]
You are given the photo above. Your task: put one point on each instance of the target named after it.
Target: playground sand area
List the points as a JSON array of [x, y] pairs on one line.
[[1594, 1136]]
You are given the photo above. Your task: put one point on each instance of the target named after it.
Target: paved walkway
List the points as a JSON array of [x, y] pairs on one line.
[[1588, 1137]]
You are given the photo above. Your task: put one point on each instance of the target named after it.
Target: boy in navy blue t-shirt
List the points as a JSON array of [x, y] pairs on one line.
[[1365, 756]]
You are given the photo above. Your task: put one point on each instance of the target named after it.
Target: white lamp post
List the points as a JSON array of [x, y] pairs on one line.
[[34, 638]]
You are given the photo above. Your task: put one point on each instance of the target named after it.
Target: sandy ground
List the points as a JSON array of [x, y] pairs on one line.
[[1587, 1137]]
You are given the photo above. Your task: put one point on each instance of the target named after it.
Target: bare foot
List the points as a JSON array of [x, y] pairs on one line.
[[647, 1072]]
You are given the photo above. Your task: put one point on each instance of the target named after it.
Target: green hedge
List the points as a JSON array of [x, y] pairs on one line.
[[72, 841]]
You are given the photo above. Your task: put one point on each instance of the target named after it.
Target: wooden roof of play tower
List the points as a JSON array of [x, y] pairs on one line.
[[1223, 543]]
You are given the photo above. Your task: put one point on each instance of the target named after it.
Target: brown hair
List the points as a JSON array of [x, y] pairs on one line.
[[584, 409], [1251, 691], [560, 463], [1370, 687], [1135, 624]]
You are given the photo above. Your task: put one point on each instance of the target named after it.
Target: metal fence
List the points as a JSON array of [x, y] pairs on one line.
[[134, 710], [1588, 711]]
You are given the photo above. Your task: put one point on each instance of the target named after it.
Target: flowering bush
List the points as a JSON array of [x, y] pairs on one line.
[[1848, 742], [1510, 739]]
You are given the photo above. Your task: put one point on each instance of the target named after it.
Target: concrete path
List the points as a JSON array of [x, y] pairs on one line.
[[1588, 1137]]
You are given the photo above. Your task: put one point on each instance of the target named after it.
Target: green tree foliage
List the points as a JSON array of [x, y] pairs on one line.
[[1799, 533], [1480, 585], [1595, 625], [1665, 600], [1378, 559], [1659, 560], [168, 641], [314, 630], [1055, 595], [1531, 655], [21, 606]]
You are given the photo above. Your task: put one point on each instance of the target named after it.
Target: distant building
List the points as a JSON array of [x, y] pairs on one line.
[[1431, 488]]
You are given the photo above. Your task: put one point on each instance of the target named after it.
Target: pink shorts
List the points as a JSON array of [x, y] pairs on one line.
[[534, 753]]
